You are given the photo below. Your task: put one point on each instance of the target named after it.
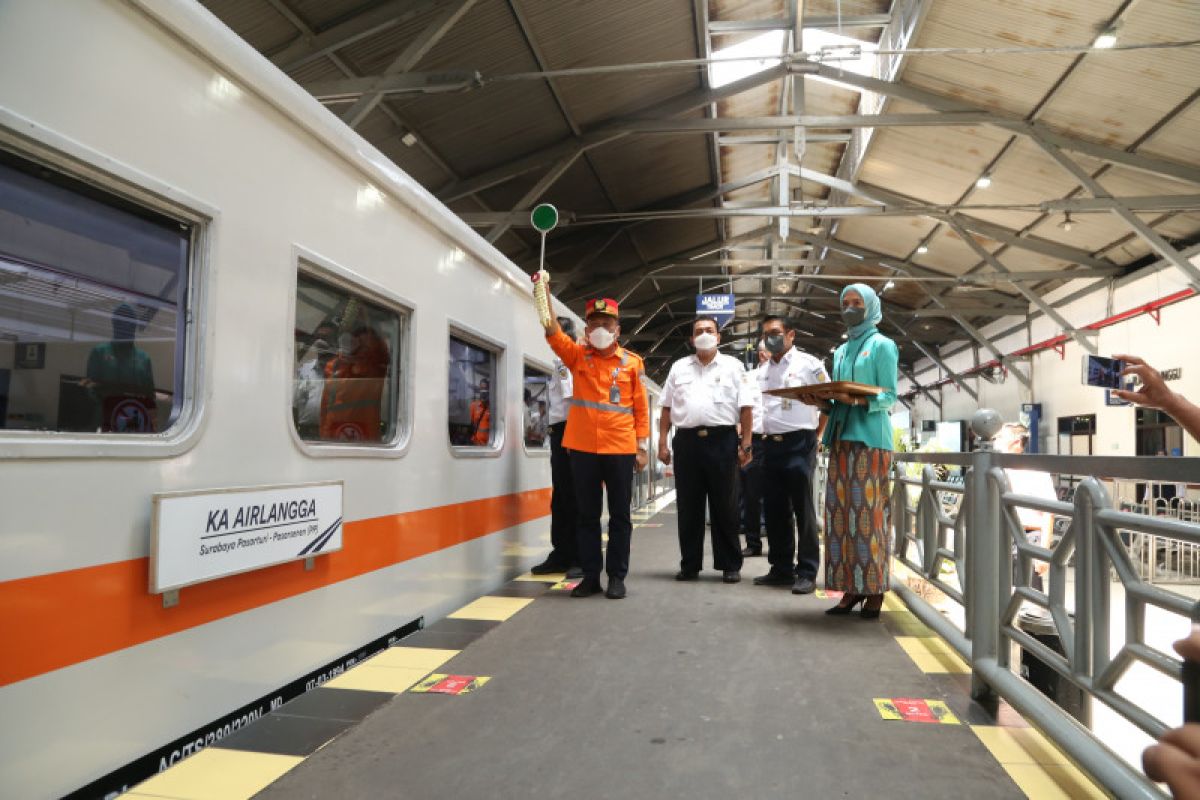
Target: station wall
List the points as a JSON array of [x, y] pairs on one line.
[[1172, 341]]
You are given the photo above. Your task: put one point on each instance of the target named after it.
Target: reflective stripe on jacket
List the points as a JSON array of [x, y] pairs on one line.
[[596, 424]]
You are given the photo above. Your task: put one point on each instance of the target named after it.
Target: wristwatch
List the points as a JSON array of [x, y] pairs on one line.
[[746, 448]]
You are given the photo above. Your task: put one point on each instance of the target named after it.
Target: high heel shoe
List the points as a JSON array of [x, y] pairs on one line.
[[871, 613], [846, 607]]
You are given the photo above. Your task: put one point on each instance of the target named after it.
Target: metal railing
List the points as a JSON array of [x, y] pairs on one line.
[[968, 554]]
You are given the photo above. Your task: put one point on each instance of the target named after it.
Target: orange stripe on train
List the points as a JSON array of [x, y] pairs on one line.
[[56, 620]]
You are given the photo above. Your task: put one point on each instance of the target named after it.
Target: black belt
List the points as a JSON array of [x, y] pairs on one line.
[[706, 430], [562, 424], [790, 436]]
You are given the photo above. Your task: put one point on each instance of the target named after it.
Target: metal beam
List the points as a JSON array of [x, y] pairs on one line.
[[1156, 166], [602, 134], [348, 89], [531, 196], [1122, 208], [1080, 338], [654, 125], [949, 372], [728, 26], [913, 380], [817, 138], [409, 57], [310, 46]]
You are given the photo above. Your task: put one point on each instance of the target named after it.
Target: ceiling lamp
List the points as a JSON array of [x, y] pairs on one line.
[[1067, 222], [984, 181], [923, 249], [1107, 39]]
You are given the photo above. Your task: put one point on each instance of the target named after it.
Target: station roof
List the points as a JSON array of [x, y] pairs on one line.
[[964, 157]]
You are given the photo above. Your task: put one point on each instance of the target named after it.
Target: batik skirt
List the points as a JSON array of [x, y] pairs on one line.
[[858, 544]]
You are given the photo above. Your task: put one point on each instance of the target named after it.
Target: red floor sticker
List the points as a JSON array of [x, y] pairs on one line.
[[565, 586], [439, 683], [911, 709]]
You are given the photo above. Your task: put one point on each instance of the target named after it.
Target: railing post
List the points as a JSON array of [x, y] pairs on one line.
[[983, 553]]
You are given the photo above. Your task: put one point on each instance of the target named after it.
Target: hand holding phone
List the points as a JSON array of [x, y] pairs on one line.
[[1103, 372]]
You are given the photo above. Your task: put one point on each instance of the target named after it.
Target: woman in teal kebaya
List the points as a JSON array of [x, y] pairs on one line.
[[858, 439]]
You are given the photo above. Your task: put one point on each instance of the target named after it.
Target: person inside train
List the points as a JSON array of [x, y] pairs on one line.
[[120, 380], [707, 398], [607, 433], [1154, 393], [309, 386], [481, 414], [354, 381], [1175, 759]]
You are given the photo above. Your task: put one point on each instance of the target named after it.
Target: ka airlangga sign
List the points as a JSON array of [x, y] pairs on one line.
[[200, 536]]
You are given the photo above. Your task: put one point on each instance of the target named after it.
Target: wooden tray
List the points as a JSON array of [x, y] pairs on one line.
[[825, 390]]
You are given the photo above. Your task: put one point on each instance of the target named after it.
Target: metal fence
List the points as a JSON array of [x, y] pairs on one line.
[[966, 539]]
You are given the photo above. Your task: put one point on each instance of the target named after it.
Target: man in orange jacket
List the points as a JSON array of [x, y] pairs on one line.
[[608, 429]]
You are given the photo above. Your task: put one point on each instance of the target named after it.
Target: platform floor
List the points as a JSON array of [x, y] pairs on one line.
[[699, 690]]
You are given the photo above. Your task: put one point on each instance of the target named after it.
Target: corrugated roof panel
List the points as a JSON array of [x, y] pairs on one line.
[[892, 236], [638, 171], [1014, 83], [570, 34], [935, 164], [669, 237], [1115, 96], [1125, 182], [258, 23], [1177, 139], [746, 9]]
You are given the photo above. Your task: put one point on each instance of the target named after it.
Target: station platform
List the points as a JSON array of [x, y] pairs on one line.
[[700, 690]]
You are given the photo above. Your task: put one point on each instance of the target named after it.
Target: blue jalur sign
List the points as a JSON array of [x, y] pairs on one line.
[[719, 306]]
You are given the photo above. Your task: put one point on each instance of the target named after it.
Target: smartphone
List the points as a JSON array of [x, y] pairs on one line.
[[1102, 372]]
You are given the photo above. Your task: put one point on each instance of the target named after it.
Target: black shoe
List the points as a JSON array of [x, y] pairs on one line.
[[687, 575], [574, 572], [547, 567], [731, 576], [774, 578], [749, 551], [587, 587], [846, 606], [616, 589], [871, 613], [804, 586]]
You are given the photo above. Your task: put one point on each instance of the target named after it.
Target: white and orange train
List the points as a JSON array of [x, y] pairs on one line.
[[207, 281]]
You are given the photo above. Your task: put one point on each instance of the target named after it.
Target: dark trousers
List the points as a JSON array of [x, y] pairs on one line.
[[706, 472], [750, 499], [564, 511], [595, 474], [787, 492]]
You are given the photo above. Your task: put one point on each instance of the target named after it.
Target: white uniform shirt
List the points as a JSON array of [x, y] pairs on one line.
[[751, 377], [561, 389], [703, 395], [795, 368]]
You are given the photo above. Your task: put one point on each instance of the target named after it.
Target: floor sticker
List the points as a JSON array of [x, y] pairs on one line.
[[910, 709], [450, 684], [823, 594], [565, 586]]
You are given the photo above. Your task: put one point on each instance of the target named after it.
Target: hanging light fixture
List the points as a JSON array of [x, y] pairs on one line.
[[984, 181], [1107, 38], [1067, 222], [923, 249]]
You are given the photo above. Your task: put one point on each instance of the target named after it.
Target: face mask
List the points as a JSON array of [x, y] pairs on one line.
[[853, 316], [705, 341], [601, 338], [775, 344]]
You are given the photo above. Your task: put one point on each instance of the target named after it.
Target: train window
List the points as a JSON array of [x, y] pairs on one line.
[[472, 400], [536, 414], [346, 385], [93, 293]]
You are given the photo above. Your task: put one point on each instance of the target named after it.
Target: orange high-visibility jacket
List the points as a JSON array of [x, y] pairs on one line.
[[594, 423], [481, 423]]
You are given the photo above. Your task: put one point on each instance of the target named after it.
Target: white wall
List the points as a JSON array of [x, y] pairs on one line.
[[1173, 341]]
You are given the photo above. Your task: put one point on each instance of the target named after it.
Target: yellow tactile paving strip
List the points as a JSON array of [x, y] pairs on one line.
[[1035, 764], [214, 774], [931, 654], [492, 608], [378, 679]]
